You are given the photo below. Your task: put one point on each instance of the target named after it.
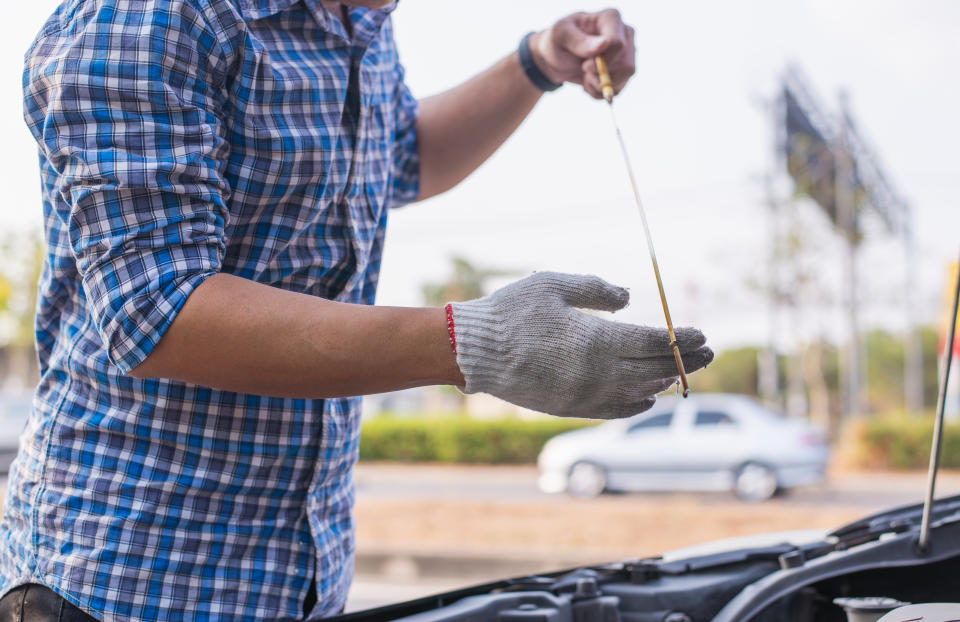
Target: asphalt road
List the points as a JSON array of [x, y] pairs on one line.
[[518, 484]]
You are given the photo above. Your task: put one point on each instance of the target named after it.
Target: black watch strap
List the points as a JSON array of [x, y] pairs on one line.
[[530, 68]]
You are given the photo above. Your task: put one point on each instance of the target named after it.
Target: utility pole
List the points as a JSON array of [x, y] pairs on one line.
[[913, 351], [831, 163], [845, 202], [768, 372]]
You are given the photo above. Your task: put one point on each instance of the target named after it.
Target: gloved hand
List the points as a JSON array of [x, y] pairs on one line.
[[528, 344]]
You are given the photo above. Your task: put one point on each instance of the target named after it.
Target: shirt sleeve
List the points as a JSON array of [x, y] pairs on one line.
[[405, 171], [124, 103]]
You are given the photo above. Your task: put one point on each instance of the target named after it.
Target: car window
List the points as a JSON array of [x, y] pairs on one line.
[[713, 418], [656, 422], [13, 416]]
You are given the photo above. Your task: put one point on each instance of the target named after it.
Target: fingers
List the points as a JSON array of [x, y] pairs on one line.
[[666, 366], [698, 359], [612, 30], [576, 40], [633, 341], [627, 410], [618, 50], [625, 65], [645, 405], [636, 399], [652, 388], [590, 292], [689, 338], [580, 36], [591, 81]]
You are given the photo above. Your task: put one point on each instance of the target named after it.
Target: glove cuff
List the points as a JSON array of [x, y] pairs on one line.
[[480, 349]]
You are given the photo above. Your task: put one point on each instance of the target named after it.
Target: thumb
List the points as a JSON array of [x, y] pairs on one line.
[[593, 46], [592, 292], [580, 43]]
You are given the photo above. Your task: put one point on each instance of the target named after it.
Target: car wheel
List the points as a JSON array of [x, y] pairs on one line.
[[755, 482], [586, 479]]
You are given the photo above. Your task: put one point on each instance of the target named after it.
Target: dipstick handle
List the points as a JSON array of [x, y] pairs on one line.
[[606, 84]]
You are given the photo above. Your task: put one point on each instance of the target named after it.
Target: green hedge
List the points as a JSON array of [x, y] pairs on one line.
[[460, 438], [903, 442]]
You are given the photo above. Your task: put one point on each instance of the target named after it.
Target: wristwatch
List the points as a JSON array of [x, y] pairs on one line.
[[530, 68]]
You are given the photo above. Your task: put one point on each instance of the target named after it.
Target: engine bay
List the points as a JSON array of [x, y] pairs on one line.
[[874, 558]]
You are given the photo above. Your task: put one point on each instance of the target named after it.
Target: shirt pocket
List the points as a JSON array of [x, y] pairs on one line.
[[284, 132]]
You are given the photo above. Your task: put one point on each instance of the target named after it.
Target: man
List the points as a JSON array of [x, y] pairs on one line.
[[216, 177]]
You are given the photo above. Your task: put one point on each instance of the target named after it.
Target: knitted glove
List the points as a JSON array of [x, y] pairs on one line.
[[529, 345]]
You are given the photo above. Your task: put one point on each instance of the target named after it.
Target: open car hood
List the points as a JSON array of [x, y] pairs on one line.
[[877, 556]]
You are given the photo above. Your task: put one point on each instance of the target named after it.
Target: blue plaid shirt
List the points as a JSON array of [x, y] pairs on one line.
[[178, 139]]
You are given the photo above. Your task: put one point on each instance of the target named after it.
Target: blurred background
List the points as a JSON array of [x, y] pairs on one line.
[[798, 165]]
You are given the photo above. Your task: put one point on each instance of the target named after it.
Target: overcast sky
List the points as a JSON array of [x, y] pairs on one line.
[[555, 197]]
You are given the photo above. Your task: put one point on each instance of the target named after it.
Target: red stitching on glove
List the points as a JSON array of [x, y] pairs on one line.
[[453, 337]]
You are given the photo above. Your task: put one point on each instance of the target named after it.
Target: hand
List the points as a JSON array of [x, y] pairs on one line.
[[529, 345], [566, 51]]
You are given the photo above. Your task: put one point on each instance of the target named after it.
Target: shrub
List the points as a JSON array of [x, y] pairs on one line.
[[460, 438], [903, 442]]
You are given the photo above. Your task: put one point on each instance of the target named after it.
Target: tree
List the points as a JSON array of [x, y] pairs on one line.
[[21, 260], [466, 282]]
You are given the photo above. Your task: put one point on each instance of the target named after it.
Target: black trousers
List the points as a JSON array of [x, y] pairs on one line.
[[36, 603]]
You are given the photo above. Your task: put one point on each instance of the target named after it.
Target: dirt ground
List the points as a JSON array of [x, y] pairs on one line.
[[607, 528], [497, 511]]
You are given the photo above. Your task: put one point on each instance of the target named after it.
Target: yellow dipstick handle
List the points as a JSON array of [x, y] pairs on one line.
[[606, 85]]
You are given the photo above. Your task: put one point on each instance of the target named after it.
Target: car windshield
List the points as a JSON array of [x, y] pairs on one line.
[[661, 421], [713, 418]]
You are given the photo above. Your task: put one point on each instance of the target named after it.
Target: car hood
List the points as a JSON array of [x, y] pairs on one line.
[[725, 583]]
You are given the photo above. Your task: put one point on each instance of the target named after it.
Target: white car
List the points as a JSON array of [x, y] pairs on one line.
[[14, 410], [708, 442]]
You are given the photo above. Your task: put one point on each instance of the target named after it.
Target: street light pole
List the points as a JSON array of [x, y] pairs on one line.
[[846, 216]]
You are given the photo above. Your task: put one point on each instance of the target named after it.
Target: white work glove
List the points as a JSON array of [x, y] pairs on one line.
[[529, 345]]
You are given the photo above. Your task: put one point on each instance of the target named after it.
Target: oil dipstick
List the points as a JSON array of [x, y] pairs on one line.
[[606, 88]]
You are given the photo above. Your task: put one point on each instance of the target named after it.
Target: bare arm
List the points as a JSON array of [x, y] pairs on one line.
[[457, 130], [238, 335]]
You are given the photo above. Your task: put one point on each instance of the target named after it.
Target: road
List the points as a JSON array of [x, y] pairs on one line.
[[518, 484]]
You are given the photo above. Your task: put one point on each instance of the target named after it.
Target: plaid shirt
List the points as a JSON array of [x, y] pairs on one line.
[[178, 139]]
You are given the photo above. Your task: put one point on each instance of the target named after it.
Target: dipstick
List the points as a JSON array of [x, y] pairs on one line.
[[606, 88], [923, 542]]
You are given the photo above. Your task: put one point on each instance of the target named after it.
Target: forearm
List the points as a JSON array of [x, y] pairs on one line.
[[457, 130], [238, 335]]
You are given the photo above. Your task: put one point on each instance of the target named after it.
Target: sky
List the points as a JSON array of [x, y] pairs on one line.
[[696, 121]]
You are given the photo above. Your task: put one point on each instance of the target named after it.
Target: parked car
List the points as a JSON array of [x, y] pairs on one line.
[[708, 442], [14, 410]]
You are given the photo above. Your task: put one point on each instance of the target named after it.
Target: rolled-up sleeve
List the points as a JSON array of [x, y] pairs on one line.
[[126, 112]]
